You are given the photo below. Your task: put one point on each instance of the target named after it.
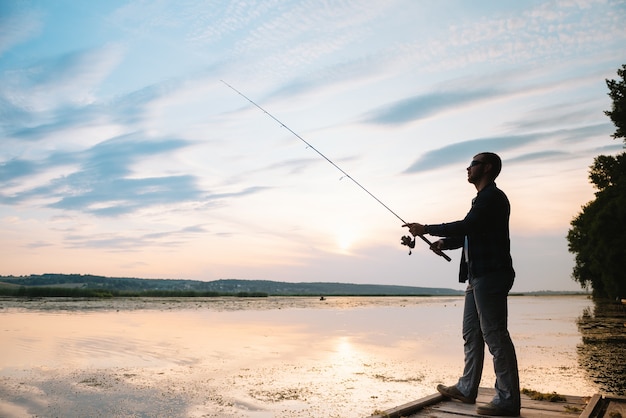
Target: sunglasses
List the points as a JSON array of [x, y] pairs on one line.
[[475, 163]]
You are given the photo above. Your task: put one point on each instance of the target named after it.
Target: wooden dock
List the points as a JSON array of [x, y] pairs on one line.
[[436, 406]]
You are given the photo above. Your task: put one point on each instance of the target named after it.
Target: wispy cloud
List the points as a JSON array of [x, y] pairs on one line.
[[538, 156], [17, 26], [103, 185], [545, 31], [564, 114], [63, 80], [38, 244], [15, 169], [55, 95], [335, 75], [459, 152], [117, 242], [425, 105]]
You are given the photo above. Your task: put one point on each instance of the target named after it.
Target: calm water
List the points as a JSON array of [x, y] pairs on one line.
[[273, 357]]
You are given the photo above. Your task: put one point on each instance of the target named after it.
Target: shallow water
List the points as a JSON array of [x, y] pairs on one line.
[[267, 357]]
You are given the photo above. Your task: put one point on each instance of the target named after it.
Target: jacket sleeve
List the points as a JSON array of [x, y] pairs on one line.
[[452, 243], [476, 219]]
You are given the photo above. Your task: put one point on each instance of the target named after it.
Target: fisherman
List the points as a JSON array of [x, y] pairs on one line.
[[487, 267]]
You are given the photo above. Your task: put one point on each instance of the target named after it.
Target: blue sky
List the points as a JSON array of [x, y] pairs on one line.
[[124, 154]]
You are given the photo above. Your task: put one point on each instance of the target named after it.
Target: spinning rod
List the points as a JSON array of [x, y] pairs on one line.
[[406, 240]]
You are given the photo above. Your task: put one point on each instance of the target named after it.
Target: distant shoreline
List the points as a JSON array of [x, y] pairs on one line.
[[79, 285]]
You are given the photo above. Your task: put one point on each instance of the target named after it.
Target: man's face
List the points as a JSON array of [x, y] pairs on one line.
[[476, 169]]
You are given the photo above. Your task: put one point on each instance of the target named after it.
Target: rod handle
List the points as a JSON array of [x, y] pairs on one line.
[[441, 253]]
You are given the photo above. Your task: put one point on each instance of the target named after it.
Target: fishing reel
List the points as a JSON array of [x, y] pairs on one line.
[[409, 241]]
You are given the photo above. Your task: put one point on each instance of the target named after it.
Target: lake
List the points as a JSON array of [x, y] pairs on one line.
[[268, 357]]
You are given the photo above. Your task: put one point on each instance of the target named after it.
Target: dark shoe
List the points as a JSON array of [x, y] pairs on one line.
[[454, 393], [495, 410]]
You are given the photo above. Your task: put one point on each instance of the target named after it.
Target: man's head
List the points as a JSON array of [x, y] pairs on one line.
[[485, 167]]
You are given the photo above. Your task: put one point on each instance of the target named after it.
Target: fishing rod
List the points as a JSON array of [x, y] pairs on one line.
[[406, 240]]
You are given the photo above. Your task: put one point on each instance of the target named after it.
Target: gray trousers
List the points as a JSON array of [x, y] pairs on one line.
[[485, 321]]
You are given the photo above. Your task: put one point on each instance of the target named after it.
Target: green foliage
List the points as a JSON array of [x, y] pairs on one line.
[[608, 171], [617, 92], [598, 233], [598, 238]]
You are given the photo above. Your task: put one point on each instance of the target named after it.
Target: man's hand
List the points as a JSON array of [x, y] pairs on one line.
[[418, 229], [415, 229], [437, 247]]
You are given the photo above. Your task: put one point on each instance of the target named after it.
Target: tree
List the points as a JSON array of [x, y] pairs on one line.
[[617, 92], [598, 233]]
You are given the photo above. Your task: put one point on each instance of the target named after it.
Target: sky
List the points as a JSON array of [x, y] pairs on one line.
[[125, 153]]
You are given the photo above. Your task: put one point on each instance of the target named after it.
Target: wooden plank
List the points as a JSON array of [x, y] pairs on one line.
[[410, 407], [461, 409], [592, 406], [436, 406], [554, 406], [605, 407], [429, 412], [455, 407], [617, 408]]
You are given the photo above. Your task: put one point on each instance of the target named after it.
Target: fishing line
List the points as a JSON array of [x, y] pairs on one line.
[[410, 243]]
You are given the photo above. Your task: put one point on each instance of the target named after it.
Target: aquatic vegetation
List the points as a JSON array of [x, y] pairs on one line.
[[538, 396]]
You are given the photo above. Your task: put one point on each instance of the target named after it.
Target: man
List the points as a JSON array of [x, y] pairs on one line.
[[486, 264]]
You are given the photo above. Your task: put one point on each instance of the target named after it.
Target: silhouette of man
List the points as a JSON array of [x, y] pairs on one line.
[[487, 266]]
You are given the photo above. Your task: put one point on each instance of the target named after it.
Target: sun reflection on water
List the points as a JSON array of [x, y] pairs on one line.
[[346, 358]]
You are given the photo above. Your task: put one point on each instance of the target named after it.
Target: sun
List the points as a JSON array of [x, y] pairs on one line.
[[346, 238], [344, 242]]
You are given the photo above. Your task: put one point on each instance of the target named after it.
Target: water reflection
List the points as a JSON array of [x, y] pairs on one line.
[[346, 360], [603, 348], [260, 358]]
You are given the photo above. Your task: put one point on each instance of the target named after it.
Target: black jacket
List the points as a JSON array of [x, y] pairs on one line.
[[486, 227]]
